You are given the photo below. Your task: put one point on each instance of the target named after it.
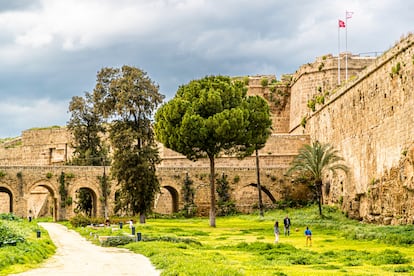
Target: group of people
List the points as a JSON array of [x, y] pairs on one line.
[[287, 224]]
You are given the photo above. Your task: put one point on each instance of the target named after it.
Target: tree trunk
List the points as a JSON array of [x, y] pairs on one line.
[[212, 193], [259, 188], [142, 218], [104, 188], [318, 185]]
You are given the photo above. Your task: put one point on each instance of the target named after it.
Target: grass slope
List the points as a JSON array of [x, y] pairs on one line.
[[29, 251]]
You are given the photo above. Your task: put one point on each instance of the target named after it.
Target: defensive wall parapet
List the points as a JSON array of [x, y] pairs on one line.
[[320, 78]]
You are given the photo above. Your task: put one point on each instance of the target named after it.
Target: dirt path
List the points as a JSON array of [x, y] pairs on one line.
[[76, 256]]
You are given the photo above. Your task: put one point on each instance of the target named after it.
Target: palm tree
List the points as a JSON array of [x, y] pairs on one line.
[[313, 161]]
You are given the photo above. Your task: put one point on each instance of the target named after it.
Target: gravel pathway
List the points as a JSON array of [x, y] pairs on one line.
[[76, 256]]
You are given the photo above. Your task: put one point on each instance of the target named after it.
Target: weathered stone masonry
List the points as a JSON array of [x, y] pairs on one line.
[[371, 121]]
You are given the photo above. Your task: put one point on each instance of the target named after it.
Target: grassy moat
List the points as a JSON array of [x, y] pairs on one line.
[[244, 245], [239, 245]]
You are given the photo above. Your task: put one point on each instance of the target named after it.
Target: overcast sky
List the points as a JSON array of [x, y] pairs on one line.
[[51, 50]]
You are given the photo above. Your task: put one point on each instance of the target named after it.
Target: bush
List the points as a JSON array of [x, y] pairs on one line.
[[118, 240], [8, 237], [80, 221], [389, 257], [171, 239], [264, 82], [9, 216]]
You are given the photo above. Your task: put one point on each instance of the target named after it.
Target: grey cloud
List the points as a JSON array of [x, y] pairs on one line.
[[177, 41], [7, 5]]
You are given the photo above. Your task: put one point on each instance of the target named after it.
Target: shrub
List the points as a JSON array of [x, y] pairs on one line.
[[312, 104], [320, 99], [303, 121], [389, 257], [9, 216], [264, 82], [320, 67], [8, 237], [80, 221], [171, 239], [118, 240]]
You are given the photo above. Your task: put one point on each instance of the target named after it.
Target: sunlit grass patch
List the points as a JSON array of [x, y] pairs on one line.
[[389, 257]]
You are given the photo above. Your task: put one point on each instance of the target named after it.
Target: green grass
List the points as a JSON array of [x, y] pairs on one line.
[[243, 245], [29, 251]]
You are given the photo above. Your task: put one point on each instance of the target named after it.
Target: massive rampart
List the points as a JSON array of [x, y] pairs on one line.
[[370, 120]]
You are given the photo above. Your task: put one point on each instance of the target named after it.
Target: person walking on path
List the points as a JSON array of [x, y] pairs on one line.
[[308, 234], [276, 231], [287, 225]]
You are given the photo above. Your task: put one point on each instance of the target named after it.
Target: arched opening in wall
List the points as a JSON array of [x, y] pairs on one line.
[[6, 200], [247, 198], [86, 202], [166, 202], [41, 202]]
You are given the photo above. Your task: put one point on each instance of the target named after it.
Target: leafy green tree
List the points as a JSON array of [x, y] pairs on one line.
[[63, 191], [258, 131], [188, 196], [86, 126], [313, 162], [105, 185], [127, 97], [84, 202], [206, 117], [225, 205]]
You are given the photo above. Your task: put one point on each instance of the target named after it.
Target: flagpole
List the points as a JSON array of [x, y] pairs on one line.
[[339, 58], [346, 45]]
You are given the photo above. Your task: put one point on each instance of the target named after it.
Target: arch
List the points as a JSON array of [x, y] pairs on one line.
[[42, 201], [167, 201], [87, 201], [247, 198], [4, 190], [265, 190]]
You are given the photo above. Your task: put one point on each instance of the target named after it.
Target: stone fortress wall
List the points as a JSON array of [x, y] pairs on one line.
[[37, 147], [368, 118]]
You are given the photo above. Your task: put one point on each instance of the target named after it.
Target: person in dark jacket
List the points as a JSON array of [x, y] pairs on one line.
[[287, 224]]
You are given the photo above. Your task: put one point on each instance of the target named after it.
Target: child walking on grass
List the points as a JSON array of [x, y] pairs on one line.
[[308, 235]]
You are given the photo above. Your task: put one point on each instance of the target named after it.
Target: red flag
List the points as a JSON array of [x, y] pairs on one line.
[[341, 24]]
